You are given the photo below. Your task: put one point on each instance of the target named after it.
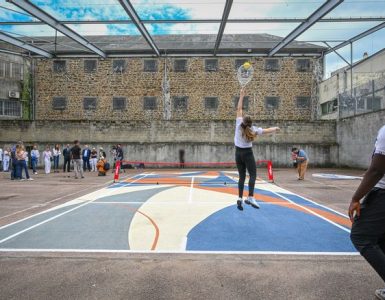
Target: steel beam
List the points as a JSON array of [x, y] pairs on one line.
[[357, 37], [51, 21], [216, 21], [310, 21], [225, 16], [340, 56], [126, 4], [19, 43]]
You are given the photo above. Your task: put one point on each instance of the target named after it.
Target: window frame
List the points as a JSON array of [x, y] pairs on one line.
[[179, 70], [278, 100], [153, 107], [55, 69], [57, 98], [90, 108], [210, 69], [207, 100], [115, 98], [89, 70]]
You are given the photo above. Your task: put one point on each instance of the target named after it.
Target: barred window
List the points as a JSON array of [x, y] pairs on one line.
[[10, 108], [119, 103], [119, 66], [271, 102], [89, 103], [150, 65], [211, 103], [90, 65], [303, 65], [180, 65], [7, 69], [59, 66], [240, 62], [59, 103], [211, 65], [303, 102], [246, 101], [149, 103], [180, 102], [2, 68], [271, 65]]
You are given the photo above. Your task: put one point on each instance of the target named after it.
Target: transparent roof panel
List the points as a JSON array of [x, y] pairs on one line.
[[358, 8], [182, 28], [84, 10], [276, 29], [179, 9], [335, 31], [29, 30], [105, 29], [245, 9], [10, 12]]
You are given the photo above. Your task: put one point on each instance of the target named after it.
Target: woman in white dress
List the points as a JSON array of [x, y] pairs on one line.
[[6, 159], [47, 156]]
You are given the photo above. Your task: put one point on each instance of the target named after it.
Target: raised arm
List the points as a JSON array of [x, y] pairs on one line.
[[240, 104], [270, 130]]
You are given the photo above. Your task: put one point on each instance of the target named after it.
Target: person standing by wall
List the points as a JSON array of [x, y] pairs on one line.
[[181, 158], [86, 154], [119, 153], [302, 161], [35, 155], [100, 165], [6, 159], [368, 215], [94, 159], [102, 153], [76, 157], [1, 157], [21, 156], [56, 156], [47, 156], [67, 158]]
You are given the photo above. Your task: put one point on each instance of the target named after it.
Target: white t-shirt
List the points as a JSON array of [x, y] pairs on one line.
[[239, 141], [379, 148]]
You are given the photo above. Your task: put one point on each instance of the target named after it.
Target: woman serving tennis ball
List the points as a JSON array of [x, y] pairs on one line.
[[245, 134]]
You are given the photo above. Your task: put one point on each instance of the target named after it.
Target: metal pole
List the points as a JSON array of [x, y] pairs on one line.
[[351, 78]]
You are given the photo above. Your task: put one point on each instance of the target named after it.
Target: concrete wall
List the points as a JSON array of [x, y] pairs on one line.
[[161, 140], [356, 137]]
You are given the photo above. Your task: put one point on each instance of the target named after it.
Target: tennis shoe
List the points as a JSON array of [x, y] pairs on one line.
[[251, 201], [239, 204], [380, 294]]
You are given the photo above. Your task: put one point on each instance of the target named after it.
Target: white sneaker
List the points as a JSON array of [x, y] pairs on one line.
[[251, 201], [380, 294], [30, 178]]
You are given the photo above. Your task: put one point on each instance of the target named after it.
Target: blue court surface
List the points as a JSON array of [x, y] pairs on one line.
[[174, 211]]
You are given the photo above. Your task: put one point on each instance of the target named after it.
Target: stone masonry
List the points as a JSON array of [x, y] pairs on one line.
[[196, 84]]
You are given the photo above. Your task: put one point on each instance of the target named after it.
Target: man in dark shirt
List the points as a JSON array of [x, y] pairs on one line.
[[76, 157], [67, 158]]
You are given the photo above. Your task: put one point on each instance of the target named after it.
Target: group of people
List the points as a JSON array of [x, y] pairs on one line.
[[16, 160], [367, 207]]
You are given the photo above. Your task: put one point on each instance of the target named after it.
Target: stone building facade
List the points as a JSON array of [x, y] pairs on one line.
[[130, 89]]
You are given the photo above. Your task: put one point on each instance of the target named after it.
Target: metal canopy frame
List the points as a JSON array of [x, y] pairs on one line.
[[315, 17], [126, 4], [51, 21], [20, 43]]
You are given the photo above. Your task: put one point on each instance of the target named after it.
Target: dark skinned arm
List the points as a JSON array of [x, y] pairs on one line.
[[375, 172]]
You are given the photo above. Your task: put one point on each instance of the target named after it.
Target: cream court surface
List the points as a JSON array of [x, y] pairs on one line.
[[183, 211]]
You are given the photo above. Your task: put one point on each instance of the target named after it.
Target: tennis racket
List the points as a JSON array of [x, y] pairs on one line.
[[245, 74]]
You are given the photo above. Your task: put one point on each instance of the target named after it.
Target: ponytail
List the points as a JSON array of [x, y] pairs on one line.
[[247, 133]]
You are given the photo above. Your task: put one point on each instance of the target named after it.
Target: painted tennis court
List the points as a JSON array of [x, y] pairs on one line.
[[183, 211]]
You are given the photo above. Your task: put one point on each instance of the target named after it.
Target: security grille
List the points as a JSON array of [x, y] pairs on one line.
[[89, 103], [271, 102], [59, 103], [119, 103], [119, 66], [180, 65], [211, 65], [303, 65], [150, 65], [180, 103], [10, 108], [303, 102], [90, 65], [59, 66], [211, 103], [149, 103]]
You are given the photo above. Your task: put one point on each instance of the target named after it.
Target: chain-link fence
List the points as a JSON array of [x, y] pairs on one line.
[[366, 97]]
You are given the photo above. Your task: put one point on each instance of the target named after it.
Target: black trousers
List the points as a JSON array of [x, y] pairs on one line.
[[86, 164], [67, 163], [245, 160], [368, 231]]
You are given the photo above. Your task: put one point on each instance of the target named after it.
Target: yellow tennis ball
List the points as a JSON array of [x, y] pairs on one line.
[[246, 65]]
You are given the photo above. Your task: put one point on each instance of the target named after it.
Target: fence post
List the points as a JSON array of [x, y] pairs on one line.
[[117, 170]]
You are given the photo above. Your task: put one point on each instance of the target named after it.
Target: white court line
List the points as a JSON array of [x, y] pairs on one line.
[[49, 219], [312, 212], [178, 202], [191, 190], [182, 252]]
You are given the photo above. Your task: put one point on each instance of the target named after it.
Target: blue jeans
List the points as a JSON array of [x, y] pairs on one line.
[[56, 162], [23, 166], [34, 164], [16, 172]]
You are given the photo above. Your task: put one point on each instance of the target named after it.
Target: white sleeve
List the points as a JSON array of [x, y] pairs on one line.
[[380, 143], [238, 121], [258, 130]]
